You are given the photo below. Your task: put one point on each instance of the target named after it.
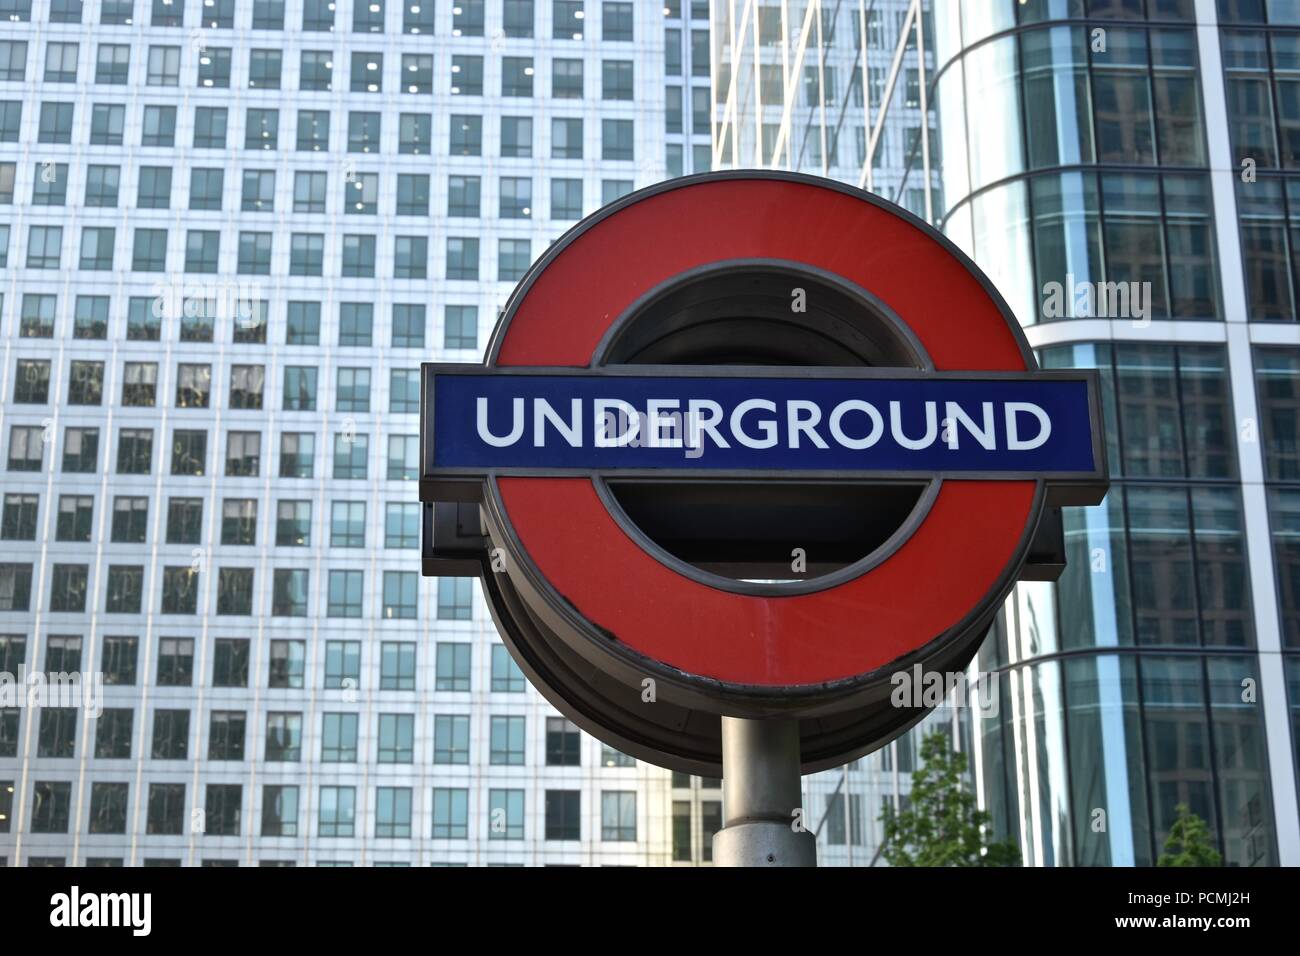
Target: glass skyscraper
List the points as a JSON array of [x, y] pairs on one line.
[[1128, 146]]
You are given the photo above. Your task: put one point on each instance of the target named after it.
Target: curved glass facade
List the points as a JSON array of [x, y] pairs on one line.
[[1085, 159], [1091, 130]]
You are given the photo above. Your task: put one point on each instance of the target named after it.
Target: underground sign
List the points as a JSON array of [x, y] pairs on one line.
[[749, 444]]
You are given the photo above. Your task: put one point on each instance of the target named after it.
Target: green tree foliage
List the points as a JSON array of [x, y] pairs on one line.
[[1189, 842], [943, 826]]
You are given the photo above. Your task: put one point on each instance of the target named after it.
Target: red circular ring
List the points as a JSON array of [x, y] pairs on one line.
[[950, 565]]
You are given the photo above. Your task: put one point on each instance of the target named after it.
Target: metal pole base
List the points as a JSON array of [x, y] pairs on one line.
[[762, 796], [763, 844]]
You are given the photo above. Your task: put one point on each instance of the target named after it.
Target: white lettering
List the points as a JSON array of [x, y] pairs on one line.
[[955, 415], [516, 427], [931, 426], [856, 405], [766, 426], [1014, 441]]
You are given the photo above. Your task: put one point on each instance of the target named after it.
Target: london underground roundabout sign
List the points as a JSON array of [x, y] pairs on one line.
[[746, 445]]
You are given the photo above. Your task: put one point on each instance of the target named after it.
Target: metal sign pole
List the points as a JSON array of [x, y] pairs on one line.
[[762, 796]]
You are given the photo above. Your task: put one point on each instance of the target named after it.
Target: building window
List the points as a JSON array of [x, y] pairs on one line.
[[57, 737], [222, 809], [80, 450], [616, 80], [15, 587], [467, 18], [337, 811], [566, 138], [345, 594], [616, 139], [567, 20], [466, 135], [235, 591], [682, 831], [171, 734], [283, 737], [130, 520], [293, 524], [462, 257], [230, 662], [125, 593], [450, 813], [353, 390], [306, 254], [302, 323], [563, 814], [68, 588], [348, 524], [102, 184], [616, 22], [460, 327], [396, 738], [418, 17], [26, 445], [392, 812], [414, 134], [189, 451], [175, 662], [297, 455], [210, 127], [506, 676], [516, 137], [246, 383], [134, 451], [358, 256], [505, 814], [367, 72], [451, 739], [507, 741], [318, 16], [19, 522], [618, 816], [180, 591], [113, 733], [288, 664], [44, 247], [85, 383], [401, 525], [361, 194], [184, 520], [167, 808], [514, 256], [226, 735], [412, 194], [410, 257], [455, 599], [452, 666], [51, 802], [279, 811], [403, 457], [313, 131], [563, 743], [339, 738], [350, 453], [400, 595], [397, 665], [609, 757]]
